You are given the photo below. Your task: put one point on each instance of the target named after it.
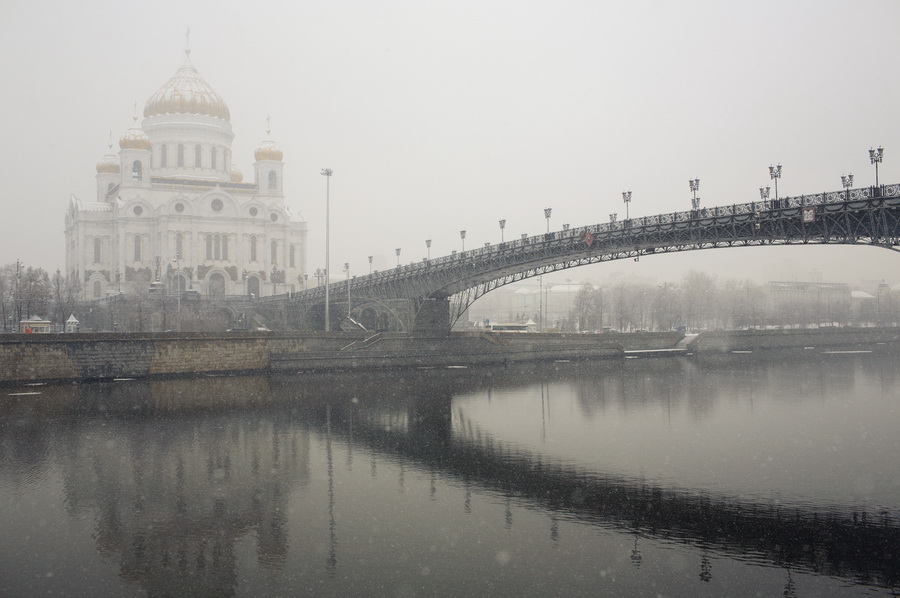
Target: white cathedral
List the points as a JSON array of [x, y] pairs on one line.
[[172, 212]]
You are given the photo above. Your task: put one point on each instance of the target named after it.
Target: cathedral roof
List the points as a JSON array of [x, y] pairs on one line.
[[268, 149], [187, 93]]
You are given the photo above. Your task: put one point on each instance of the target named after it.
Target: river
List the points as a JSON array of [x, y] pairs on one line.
[[739, 475]]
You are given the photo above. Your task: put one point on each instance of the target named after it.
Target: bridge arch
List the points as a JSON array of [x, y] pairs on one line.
[[439, 291]]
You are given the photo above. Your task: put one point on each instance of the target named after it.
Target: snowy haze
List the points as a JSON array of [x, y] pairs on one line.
[[443, 116]]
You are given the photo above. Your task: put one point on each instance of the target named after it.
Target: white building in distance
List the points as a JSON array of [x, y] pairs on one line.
[[172, 207]]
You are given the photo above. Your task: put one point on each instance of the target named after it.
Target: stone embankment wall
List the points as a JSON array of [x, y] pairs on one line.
[[34, 357], [25, 358], [755, 340]]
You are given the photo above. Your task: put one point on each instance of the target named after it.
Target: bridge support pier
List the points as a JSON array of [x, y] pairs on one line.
[[432, 317]]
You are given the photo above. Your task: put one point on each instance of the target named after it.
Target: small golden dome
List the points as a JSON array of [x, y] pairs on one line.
[[108, 163], [236, 175], [134, 138], [187, 93], [268, 150]]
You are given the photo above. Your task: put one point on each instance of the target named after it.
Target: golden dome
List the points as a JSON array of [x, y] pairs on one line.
[[187, 93], [108, 163], [236, 175], [135, 138], [268, 150]]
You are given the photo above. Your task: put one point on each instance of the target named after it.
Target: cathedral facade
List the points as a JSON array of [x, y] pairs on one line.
[[172, 213]]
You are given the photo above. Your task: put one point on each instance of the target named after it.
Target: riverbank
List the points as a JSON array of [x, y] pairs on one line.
[[74, 357]]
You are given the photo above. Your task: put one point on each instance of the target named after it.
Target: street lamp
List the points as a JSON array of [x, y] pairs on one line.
[[626, 197], [274, 274], [462, 236], [875, 157], [347, 270], [764, 196], [327, 172], [847, 182], [502, 226], [775, 174], [612, 218], [695, 186], [398, 256], [370, 263], [428, 247], [547, 216]]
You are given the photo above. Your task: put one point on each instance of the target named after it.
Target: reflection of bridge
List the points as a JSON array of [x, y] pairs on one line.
[[857, 546], [432, 294]]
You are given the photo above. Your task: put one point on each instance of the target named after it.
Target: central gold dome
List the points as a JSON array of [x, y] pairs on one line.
[[187, 93]]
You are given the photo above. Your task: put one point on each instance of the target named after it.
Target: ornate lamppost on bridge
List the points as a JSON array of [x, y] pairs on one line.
[[775, 174], [398, 256], [764, 196], [462, 236], [626, 197], [847, 182], [428, 247], [370, 263], [327, 172], [875, 157], [547, 216], [695, 186], [502, 226]]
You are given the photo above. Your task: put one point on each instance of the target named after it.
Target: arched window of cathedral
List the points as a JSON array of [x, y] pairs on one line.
[[96, 289], [137, 248], [212, 158], [209, 247], [274, 251], [252, 248], [180, 154], [96, 251], [224, 247], [137, 170], [293, 250], [163, 155], [109, 188], [217, 247], [179, 246], [197, 156], [273, 180]]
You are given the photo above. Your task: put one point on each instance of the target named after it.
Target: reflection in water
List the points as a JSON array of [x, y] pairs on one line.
[[182, 480]]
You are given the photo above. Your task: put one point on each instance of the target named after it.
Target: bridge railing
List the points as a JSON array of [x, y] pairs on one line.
[[577, 233]]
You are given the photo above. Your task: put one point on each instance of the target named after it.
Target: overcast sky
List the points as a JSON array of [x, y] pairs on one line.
[[441, 116]]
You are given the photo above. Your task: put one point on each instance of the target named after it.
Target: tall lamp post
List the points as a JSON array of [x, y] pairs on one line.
[[370, 263], [626, 197], [547, 212], [695, 186], [875, 157], [502, 227], [347, 270], [398, 256], [847, 182], [775, 174], [462, 236], [428, 247], [18, 324], [327, 172]]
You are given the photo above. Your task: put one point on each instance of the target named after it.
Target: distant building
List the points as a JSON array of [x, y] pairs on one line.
[[808, 303], [172, 207]]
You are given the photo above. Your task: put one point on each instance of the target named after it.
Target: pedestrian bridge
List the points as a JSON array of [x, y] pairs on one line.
[[429, 296]]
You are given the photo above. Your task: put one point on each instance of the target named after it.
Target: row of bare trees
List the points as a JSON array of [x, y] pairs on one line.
[[699, 302], [27, 292]]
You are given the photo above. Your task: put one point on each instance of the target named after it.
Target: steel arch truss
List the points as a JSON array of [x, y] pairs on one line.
[[869, 216]]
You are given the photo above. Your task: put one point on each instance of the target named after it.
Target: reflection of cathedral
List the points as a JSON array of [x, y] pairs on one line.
[[172, 206]]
